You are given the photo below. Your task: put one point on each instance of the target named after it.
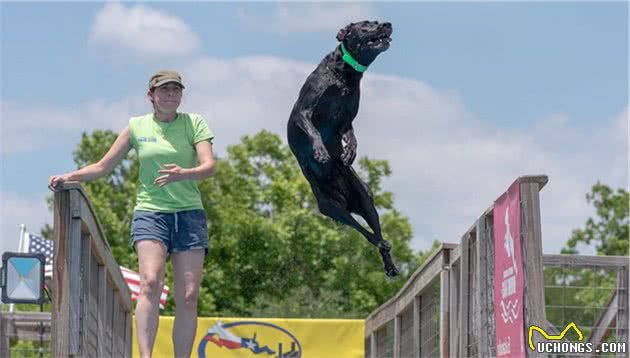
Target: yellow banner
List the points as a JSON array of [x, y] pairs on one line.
[[262, 338]]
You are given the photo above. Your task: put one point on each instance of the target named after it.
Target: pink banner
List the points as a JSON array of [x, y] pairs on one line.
[[508, 275]]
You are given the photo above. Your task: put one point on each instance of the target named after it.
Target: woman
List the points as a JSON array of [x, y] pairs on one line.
[[175, 150]]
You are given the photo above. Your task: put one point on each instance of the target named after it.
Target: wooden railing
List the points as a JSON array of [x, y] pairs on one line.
[[23, 326], [446, 308], [91, 302]]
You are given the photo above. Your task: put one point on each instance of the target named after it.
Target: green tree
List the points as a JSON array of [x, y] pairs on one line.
[[609, 231], [580, 294], [271, 251]]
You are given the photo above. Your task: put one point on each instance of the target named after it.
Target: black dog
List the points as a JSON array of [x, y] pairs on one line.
[[321, 120]]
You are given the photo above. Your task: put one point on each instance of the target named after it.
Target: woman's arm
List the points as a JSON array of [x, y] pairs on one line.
[[206, 167], [205, 157], [110, 160]]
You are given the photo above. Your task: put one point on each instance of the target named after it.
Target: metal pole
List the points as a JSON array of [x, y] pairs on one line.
[[41, 333]]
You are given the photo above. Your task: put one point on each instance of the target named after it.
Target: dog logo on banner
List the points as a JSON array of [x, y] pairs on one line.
[[509, 311], [256, 338]]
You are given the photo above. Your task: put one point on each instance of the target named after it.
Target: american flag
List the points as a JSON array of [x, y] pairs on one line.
[[133, 280], [34, 244]]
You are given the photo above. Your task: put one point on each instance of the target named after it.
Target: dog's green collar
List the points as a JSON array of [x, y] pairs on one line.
[[347, 57]]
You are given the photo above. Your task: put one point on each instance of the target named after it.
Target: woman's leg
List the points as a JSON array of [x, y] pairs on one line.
[[187, 270], [152, 257]]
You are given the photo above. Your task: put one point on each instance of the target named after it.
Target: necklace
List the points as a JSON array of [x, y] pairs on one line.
[[164, 131]]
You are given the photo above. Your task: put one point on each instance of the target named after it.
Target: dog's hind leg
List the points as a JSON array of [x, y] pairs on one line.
[[362, 203], [335, 208]]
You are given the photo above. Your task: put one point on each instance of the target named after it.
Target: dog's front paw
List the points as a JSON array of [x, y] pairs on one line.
[[321, 154], [349, 154]]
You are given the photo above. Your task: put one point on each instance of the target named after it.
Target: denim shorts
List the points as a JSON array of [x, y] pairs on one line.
[[179, 231]]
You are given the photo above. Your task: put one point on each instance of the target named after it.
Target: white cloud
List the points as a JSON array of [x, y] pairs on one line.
[[142, 32], [312, 17], [17, 209], [42, 126], [448, 165]]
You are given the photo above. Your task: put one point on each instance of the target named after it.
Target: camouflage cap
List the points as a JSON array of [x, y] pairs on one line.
[[165, 76]]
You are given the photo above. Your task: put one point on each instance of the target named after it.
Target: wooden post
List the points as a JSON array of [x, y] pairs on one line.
[[492, 324], [75, 289], [416, 327], [454, 310], [531, 246], [102, 308], [396, 350], [60, 302], [84, 297], [483, 287], [373, 345], [444, 312], [5, 349], [464, 296], [622, 308]]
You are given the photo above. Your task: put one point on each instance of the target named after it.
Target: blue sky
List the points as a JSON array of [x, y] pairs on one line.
[[485, 91]]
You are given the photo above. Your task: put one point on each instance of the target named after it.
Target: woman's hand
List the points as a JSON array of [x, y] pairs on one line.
[[172, 173], [55, 181]]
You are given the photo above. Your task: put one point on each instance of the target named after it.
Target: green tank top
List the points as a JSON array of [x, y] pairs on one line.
[[158, 143]]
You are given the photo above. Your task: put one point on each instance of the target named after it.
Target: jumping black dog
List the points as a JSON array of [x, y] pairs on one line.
[[321, 122]]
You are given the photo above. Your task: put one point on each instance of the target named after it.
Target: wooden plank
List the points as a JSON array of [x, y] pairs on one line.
[[103, 254], [491, 330], [85, 291], [622, 307], [24, 326], [580, 261], [464, 295], [62, 223], [416, 327], [482, 288], [373, 345], [473, 300], [454, 310], [74, 275], [101, 309], [108, 345], [421, 327], [5, 343], [116, 317], [444, 313], [603, 322], [122, 330], [397, 327], [128, 337], [94, 307], [531, 246]]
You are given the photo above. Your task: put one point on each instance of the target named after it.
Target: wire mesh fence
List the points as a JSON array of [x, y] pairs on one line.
[[430, 321], [25, 335], [385, 341], [589, 298], [406, 332]]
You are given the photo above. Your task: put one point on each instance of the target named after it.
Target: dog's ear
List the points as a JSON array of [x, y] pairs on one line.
[[341, 35]]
